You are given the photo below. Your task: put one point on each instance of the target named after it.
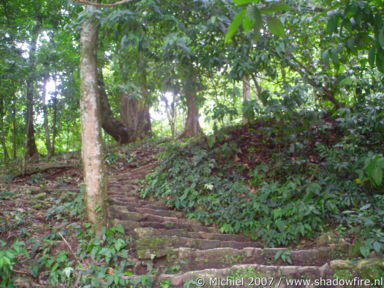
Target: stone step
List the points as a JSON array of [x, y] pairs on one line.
[[157, 247], [192, 259], [248, 275], [149, 232], [125, 214], [135, 201], [134, 175], [146, 210], [124, 194], [122, 190], [130, 225]]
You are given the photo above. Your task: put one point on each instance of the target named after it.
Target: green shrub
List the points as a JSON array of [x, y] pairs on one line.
[[315, 177]]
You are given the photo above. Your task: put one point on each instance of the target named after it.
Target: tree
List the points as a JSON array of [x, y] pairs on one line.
[[31, 149], [48, 142], [92, 148], [192, 125], [111, 125]]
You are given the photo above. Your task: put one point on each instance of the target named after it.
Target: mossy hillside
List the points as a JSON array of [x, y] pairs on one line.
[[279, 181]]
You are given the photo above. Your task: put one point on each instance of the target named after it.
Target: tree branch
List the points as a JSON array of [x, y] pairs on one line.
[[85, 2]]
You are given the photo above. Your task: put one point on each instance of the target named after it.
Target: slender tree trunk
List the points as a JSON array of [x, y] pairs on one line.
[[324, 92], [147, 126], [54, 123], [171, 112], [246, 89], [31, 149], [45, 114], [110, 124], [92, 148], [246, 94], [174, 115], [3, 132], [14, 128], [192, 126], [259, 90], [284, 76]]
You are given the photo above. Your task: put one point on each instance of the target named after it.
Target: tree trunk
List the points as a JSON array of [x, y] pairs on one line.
[[110, 124], [14, 128], [3, 132], [31, 149], [259, 90], [171, 112], [45, 115], [324, 92], [135, 116], [54, 123], [92, 148], [173, 115], [246, 94], [147, 126], [246, 89], [192, 126]]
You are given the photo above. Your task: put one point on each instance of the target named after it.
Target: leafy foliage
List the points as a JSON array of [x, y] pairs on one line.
[[8, 258], [298, 192]]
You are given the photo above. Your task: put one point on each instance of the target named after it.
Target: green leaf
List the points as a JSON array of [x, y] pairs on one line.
[[275, 26], [254, 13], [364, 250], [313, 188], [351, 10], [120, 243], [332, 24], [377, 175], [380, 59], [277, 7], [381, 37], [211, 140], [346, 81], [247, 24], [335, 56], [325, 57], [244, 2], [371, 56], [377, 246], [236, 22]]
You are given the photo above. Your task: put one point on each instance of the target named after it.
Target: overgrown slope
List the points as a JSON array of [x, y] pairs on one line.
[[283, 180]]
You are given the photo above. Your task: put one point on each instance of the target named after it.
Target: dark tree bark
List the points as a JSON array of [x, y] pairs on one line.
[[14, 128], [135, 116], [31, 149], [192, 126], [246, 93], [171, 111], [246, 89], [54, 123], [147, 126], [259, 90], [45, 115], [110, 124], [92, 148], [323, 91], [3, 132]]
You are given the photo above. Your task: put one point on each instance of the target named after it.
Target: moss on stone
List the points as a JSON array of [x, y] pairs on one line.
[[152, 247]]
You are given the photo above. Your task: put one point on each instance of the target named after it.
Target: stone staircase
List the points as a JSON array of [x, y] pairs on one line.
[[184, 253]]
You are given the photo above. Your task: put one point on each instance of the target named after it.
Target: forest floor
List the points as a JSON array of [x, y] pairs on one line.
[[153, 244]]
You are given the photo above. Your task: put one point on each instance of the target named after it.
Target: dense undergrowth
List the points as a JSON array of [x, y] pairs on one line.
[[284, 180], [66, 253]]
